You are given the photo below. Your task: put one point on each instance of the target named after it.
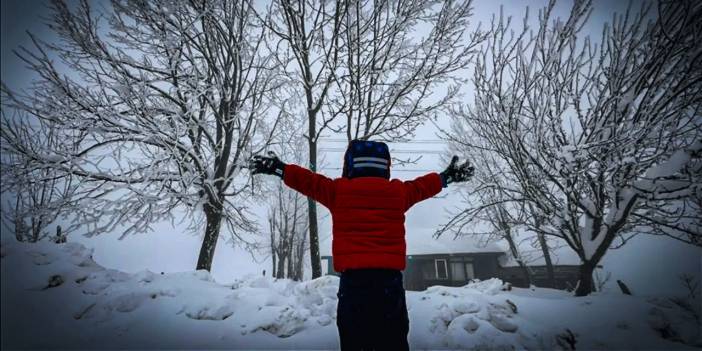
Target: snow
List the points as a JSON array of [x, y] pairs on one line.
[[675, 163], [446, 244], [567, 152], [625, 100], [56, 296]]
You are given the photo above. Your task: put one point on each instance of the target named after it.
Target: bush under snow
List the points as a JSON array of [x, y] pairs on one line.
[[56, 296]]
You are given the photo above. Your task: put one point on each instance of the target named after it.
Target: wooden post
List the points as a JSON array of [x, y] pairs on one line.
[[60, 238], [625, 289]]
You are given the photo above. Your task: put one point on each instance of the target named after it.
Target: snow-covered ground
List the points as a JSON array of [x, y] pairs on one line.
[[56, 296]]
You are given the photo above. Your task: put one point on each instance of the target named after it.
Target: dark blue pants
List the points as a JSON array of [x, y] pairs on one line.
[[372, 312]]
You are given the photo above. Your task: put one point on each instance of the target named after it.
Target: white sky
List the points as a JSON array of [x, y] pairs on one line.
[[646, 264]]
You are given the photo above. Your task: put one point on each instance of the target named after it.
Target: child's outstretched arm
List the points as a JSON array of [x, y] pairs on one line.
[[422, 188], [316, 186], [428, 185]]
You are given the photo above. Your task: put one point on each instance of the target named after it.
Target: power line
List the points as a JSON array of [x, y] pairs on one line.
[[393, 170], [413, 141], [392, 151]]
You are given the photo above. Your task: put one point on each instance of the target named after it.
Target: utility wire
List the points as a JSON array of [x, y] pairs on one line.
[[414, 141], [392, 151], [393, 170]]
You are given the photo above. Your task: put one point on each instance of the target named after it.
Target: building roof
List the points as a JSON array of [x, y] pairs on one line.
[[447, 245]]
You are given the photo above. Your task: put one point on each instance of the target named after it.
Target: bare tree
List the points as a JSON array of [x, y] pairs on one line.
[[503, 216], [393, 80], [287, 214], [356, 59], [287, 222], [307, 44], [594, 137], [171, 97], [40, 195], [500, 216]]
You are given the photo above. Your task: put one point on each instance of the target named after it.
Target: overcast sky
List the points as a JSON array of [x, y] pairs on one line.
[[647, 264]]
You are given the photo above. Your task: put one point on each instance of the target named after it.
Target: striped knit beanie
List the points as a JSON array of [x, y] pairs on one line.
[[365, 158]]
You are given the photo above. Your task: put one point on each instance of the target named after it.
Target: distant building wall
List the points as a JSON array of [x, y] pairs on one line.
[[427, 270], [449, 269], [566, 276]]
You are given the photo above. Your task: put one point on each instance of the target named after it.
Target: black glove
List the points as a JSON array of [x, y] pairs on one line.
[[267, 165], [455, 173]]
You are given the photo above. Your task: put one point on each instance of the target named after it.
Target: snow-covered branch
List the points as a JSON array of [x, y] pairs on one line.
[[167, 97], [592, 135]]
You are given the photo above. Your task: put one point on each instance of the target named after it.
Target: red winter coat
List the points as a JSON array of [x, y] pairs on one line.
[[368, 214]]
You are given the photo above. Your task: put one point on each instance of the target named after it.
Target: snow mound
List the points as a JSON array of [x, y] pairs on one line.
[[84, 305], [57, 296], [284, 308], [474, 316]]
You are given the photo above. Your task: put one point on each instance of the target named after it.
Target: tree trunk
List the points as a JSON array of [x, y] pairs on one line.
[[36, 230], [273, 255], [517, 257], [291, 258], [525, 272], [271, 225], [280, 273], [550, 275], [298, 265], [214, 220], [300, 259], [20, 230], [312, 208], [314, 240], [585, 282]]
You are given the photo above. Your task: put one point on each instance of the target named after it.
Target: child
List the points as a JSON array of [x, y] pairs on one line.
[[368, 245]]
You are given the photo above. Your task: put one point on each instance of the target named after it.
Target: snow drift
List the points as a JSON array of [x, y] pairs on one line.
[[56, 296]]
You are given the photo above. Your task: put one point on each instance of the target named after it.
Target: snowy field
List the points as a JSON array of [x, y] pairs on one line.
[[56, 296]]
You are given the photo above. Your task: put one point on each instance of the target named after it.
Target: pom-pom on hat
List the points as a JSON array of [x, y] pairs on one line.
[[364, 158]]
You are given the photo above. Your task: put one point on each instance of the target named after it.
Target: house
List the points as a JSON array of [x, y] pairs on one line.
[[565, 275], [443, 267], [448, 269]]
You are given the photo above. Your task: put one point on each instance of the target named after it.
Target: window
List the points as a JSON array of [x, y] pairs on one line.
[[470, 273], [462, 271], [441, 271], [458, 271]]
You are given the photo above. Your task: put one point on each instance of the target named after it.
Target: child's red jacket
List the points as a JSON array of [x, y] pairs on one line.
[[368, 214]]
